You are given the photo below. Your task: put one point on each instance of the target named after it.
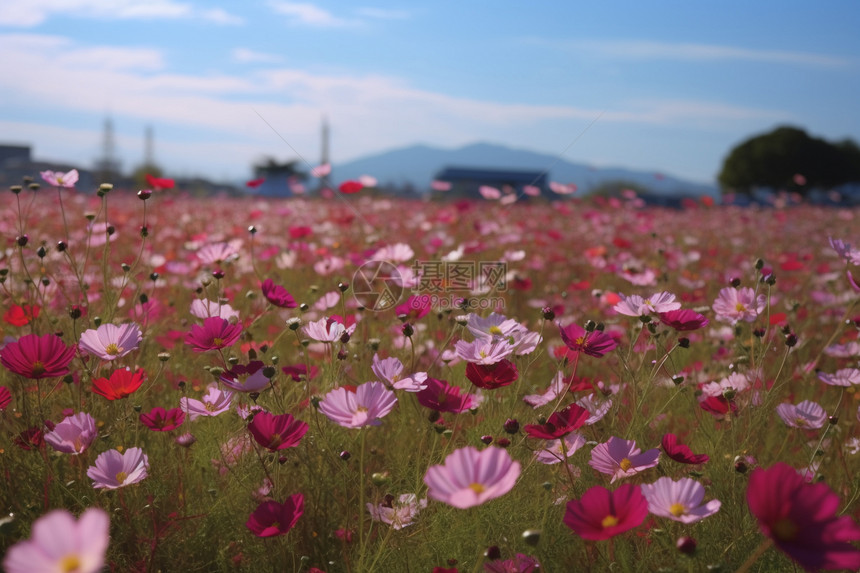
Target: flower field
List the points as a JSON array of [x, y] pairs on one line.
[[359, 384]]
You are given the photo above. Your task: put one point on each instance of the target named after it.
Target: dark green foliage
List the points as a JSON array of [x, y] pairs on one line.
[[773, 159]]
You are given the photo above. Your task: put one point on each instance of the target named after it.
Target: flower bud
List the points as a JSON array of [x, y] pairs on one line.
[[144, 194]]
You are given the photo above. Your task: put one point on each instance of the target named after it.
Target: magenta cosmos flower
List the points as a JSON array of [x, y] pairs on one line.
[[272, 518], [802, 519], [364, 407], [679, 500], [684, 319], [160, 420], [442, 397], [74, 434], [469, 477], [621, 458], [5, 398], [492, 376], [114, 470], [601, 514], [559, 424], [216, 333], [61, 543], [735, 305], [595, 343], [277, 432], [33, 356], [680, 452], [277, 295], [110, 341]]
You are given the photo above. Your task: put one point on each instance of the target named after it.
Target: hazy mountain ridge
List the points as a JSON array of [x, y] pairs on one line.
[[418, 164]]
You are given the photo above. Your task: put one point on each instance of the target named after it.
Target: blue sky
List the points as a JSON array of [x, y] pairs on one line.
[[663, 86]]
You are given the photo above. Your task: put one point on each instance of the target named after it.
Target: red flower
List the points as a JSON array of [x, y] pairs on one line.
[[298, 370], [802, 519], [5, 398], [442, 397], [680, 452], [594, 343], [277, 295], [272, 518], [559, 424], [718, 406], [29, 439], [601, 514], [492, 376], [159, 183], [33, 356], [683, 319], [215, 333], [254, 183], [161, 420], [123, 383], [277, 432], [350, 187], [21, 315]]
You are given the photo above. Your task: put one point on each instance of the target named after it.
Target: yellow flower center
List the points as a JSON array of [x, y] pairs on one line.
[[800, 421], [784, 530], [218, 341], [70, 564], [112, 349], [210, 407], [740, 307], [495, 330], [121, 477], [625, 464], [477, 488], [38, 369], [677, 509], [609, 521]]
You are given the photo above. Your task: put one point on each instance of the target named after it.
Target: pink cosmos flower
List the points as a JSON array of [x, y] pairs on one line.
[[246, 378], [601, 514], [521, 563], [807, 415], [680, 452], [209, 308], [621, 458], [215, 333], [110, 341], [597, 408], [553, 453], [802, 519], [443, 397], [272, 518], [61, 543], [397, 512], [679, 500], [845, 251], [35, 357], [735, 305], [364, 407], [635, 305], [277, 432], [277, 295], [216, 253], [595, 343], [74, 434], [216, 401], [114, 470], [684, 320], [5, 398], [60, 179], [481, 351], [842, 377], [469, 477], [327, 329], [389, 370], [492, 327], [556, 387], [161, 420]]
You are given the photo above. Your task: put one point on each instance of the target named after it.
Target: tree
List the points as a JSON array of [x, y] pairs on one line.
[[774, 159]]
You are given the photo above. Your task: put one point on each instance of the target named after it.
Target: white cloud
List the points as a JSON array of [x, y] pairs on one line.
[[309, 14], [218, 113], [245, 55], [29, 13], [650, 50]]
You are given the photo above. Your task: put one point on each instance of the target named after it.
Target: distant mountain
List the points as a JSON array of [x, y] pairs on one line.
[[418, 164]]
